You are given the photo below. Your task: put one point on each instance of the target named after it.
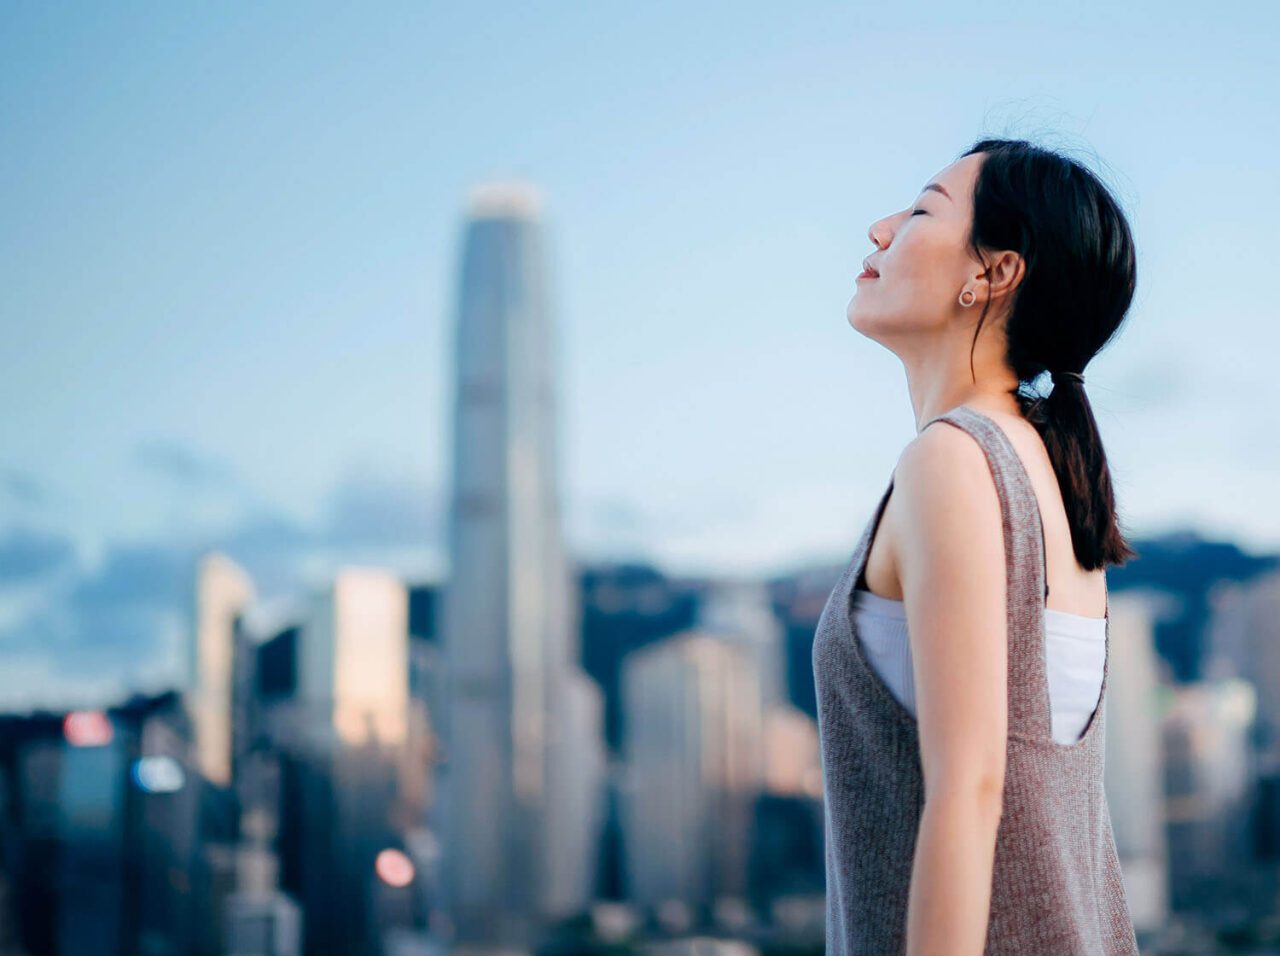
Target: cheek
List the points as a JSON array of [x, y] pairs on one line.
[[927, 264], [922, 252]]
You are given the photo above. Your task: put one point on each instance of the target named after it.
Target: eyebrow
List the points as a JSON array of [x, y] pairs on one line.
[[937, 188]]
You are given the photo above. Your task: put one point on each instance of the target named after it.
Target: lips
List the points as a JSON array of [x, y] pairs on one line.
[[868, 274]]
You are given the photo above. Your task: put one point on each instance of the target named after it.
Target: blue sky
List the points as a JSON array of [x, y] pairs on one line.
[[231, 237]]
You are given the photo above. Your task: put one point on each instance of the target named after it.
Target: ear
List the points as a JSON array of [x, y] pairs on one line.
[[1004, 274]]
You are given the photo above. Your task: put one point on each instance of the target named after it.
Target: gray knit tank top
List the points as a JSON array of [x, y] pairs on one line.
[[1056, 887]]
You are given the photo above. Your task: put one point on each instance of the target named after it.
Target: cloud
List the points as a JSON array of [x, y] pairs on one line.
[[26, 553], [182, 465], [265, 531], [387, 520], [24, 487], [124, 616], [136, 575], [379, 509]]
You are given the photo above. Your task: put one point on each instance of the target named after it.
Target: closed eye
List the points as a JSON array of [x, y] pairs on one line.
[[918, 212]]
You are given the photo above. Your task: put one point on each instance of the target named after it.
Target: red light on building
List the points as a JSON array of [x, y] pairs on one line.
[[87, 728], [394, 868]]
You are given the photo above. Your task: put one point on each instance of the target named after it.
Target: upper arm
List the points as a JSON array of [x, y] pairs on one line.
[[950, 550]]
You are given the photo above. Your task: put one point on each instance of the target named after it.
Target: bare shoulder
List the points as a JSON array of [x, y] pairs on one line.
[[947, 522], [944, 467]]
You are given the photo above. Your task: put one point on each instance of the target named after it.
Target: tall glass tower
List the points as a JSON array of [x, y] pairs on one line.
[[523, 751]]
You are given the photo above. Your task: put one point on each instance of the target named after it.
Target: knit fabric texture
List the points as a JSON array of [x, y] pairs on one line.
[[1056, 886]]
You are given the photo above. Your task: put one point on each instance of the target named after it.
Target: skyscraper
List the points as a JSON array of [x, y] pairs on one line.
[[1135, 769], [353, 668], [352, 723], [517, 724], [94, 879], [223, 591], [739, 611], [694, 764]]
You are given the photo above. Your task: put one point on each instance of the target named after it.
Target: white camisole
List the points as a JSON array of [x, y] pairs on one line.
[[1075, 648]]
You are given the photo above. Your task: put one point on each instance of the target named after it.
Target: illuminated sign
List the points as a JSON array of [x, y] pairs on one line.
[[158, 774]]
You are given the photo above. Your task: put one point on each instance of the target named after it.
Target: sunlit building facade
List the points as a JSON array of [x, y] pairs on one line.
[[223, 592], [353, 662]]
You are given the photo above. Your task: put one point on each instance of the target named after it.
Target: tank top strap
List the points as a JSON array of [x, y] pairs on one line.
[[1026, 572]]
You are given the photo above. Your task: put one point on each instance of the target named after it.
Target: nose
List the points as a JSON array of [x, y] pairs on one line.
[[871, 234]]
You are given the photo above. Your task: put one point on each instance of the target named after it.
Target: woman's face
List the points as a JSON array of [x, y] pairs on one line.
[[922, 258]]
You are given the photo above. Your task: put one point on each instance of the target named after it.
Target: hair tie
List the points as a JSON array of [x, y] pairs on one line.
[[1057, 377]]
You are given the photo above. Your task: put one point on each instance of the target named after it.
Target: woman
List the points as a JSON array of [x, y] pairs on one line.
[[962, 748]]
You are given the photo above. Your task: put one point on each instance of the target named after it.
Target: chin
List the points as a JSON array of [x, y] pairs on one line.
[[866, 323], [854, 314]]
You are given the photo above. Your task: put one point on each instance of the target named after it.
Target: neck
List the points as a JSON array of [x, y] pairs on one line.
[[939, 383]]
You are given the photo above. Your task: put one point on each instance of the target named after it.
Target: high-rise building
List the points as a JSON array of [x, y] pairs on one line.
[[260, 919], [694, 768], [1244, 641], [577, 765], [509, 621], [1207, 727], [92, 794], [336, 705], [740, 612], [223, 592], [1244, 636], [1135, 765], [353, 660]]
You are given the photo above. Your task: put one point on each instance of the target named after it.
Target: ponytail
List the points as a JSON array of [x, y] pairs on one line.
[[1064, 419], [1079, 281]]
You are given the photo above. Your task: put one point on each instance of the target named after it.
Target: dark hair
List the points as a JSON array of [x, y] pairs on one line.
[[1080, 277]]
